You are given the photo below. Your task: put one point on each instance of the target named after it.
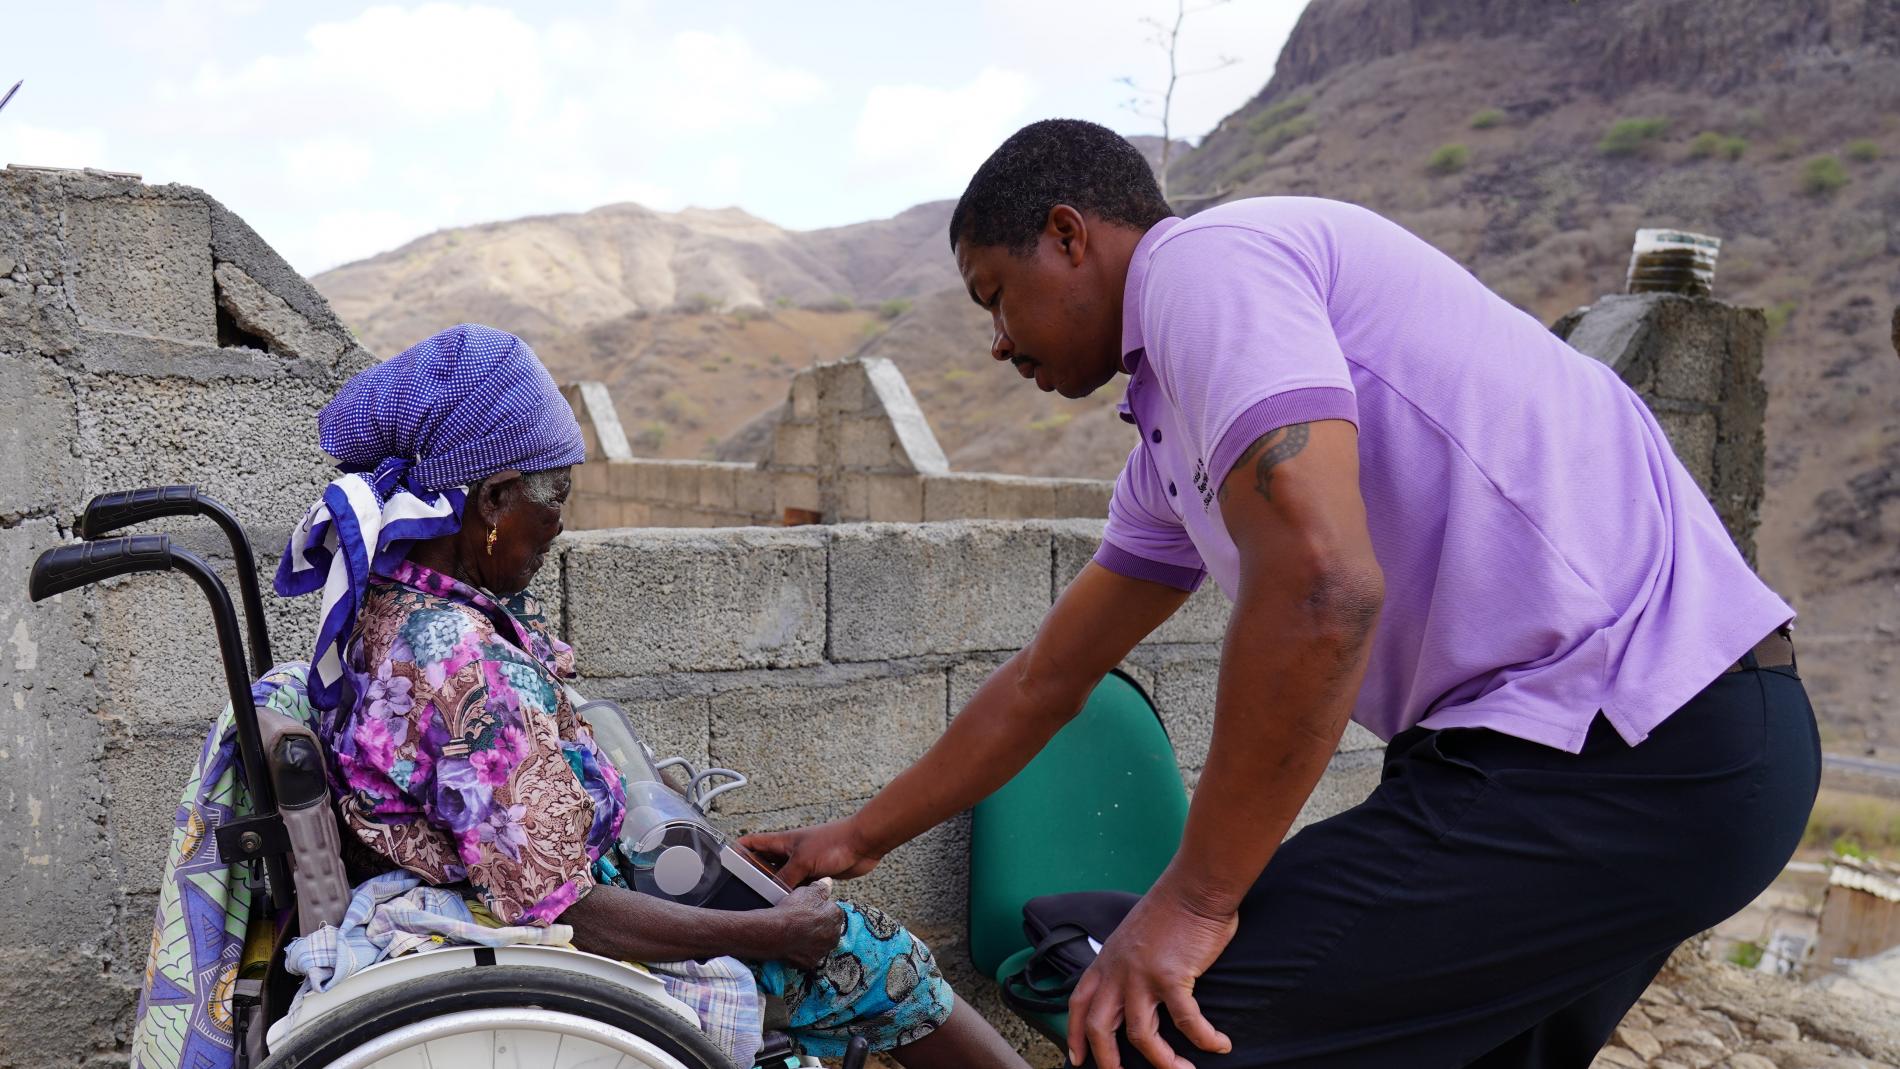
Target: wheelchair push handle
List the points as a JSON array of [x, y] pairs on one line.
[[65, 568], [107, 513], [115, 511], [70, 567]]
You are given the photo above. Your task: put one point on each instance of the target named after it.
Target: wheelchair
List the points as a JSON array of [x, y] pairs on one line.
[[523, 1007]]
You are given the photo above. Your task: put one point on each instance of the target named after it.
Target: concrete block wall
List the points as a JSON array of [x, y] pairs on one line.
[[1697, 364], [147, 336], [852, 447], [822, 660]]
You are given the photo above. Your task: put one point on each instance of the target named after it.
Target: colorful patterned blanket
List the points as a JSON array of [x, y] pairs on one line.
[[184, 1016]]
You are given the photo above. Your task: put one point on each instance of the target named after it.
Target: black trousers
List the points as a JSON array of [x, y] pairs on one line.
[[1498, 903]]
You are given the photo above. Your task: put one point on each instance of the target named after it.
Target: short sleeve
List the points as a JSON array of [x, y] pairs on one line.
[[1144, 539], [1240, 338]]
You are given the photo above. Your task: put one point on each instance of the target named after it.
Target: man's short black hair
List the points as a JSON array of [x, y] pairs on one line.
[[1056, 161]]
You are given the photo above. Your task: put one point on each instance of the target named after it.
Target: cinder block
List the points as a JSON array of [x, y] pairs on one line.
[[717, 486], [846, 497], [969, 674], [843, 389], [84, 995], [591, 478], [795, 445], [146, 771], [1018, 498], [591, 514], [956, 497], [649, 480], [809, 744], [1202, 620], [675, 516], [634, 514], [1692, 349], [268, 316], [754, 493], [795, 490], [250, 442], [896, 498], [1184, 687], [899, 591], [1083, 497], [1348, 779], [1692, 435], [663, 601], [917, 448], [679, 483], [868, 444], [804, 396], [673, 727], [53, 816], [142, 265], [1075, 543], [39, 421]]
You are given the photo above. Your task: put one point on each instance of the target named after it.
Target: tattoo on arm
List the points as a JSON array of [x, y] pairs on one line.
[[1270, 451]]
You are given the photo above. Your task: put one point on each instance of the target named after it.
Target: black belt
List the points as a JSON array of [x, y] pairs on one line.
[[1775, 651]]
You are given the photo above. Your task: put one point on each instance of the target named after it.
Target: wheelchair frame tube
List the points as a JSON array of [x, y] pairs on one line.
[[243, 712]]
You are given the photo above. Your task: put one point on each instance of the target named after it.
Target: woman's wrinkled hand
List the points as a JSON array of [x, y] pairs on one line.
[[810, 925], [1151, 960], [831, 849]]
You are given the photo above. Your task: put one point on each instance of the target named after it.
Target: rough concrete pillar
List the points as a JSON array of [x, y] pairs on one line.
[[856, 427], [1697, 363], [147, 336]]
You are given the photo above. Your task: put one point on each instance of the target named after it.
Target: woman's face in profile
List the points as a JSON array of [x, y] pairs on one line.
[[525, 527]]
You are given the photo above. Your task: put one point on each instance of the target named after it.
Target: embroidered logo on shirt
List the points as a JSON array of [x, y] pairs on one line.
[[1202, 484]]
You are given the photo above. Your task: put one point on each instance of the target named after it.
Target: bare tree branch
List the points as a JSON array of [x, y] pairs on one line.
[[1167, 37]]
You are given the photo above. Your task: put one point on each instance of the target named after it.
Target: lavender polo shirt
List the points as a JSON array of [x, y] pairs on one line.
[[1546, 556]]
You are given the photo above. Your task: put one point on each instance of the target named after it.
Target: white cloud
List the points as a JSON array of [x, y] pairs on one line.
[[912, 132], [331, 238], [331, 162], [38, 145], [339, 130]]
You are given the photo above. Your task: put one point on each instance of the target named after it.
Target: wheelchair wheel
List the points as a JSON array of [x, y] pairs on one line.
[[518, 1018]]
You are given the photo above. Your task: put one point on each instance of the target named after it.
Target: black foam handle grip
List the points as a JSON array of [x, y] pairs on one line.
[[68, 567], [123, 508]]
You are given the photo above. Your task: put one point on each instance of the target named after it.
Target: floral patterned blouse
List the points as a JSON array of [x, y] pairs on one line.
[[462, 757]]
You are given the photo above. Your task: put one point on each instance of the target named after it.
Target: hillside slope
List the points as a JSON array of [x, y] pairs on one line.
[[1527, 138]]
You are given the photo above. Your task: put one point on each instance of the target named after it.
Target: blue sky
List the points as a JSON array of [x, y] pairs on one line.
[[343, 129]]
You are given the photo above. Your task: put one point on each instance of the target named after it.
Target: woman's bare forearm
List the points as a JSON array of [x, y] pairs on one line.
[[617, 923]]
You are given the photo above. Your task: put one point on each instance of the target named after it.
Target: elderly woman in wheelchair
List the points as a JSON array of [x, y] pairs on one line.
[[459, 754]]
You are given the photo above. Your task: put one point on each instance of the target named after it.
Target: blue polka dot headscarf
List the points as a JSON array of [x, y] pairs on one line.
[[411, 434]]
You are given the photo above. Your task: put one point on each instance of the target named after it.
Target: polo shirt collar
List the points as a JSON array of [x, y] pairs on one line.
[[1131, 291]]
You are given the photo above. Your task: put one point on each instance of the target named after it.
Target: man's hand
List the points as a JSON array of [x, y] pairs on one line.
[[809, 925], [832, 849], [1151, 961]]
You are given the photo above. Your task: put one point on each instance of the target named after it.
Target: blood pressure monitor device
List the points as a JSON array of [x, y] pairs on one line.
[[670, 847]]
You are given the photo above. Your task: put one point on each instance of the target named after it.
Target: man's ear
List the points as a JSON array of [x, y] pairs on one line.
[[1069, 231]]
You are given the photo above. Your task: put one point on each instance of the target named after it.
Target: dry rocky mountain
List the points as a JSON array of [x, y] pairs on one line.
[[1527, 138]]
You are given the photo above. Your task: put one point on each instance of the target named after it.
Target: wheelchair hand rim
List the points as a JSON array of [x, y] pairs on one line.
[[634, 1052]]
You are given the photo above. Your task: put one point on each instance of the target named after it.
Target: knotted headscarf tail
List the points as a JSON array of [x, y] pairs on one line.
[[411, 434]]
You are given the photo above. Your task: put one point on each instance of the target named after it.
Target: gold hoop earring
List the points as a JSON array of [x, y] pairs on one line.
[[492, 532]]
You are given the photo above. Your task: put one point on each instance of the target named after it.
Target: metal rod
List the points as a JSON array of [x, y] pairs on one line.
[[243, 712]]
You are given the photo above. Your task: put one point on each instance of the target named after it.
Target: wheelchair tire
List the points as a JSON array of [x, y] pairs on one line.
[[513, 998]]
